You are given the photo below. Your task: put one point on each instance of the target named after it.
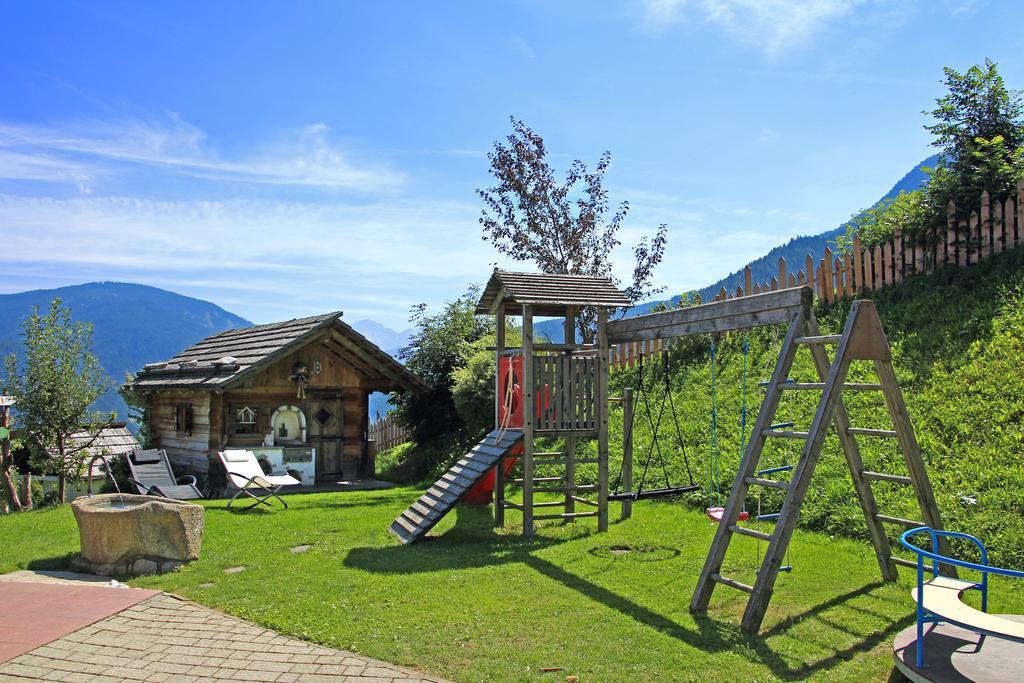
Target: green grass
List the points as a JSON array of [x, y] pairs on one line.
[[474, 605]]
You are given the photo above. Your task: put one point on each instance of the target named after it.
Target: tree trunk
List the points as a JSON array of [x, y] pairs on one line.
[[6, 466], [26, 491], [62, 481]]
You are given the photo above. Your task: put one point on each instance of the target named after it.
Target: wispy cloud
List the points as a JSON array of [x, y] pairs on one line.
[[773, 26], [83, 151]]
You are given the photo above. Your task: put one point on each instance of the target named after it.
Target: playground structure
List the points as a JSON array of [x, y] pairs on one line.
[[542, 390], [952, 654], [862, 339], [565, 396]]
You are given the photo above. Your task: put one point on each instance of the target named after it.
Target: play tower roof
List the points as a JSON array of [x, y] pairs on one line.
[[549, 293]]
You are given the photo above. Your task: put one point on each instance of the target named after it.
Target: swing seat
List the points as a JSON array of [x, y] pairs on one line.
[[653, 493], [716, 515]]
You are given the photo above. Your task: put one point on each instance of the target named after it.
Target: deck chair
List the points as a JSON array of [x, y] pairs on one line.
[[152, 474], [245, 472]]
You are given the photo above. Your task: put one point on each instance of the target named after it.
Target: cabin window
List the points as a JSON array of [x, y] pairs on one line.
[[245, 420], [183, 418]]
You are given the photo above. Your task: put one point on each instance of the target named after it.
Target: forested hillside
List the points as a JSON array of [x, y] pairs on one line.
[[132, 325], [958, 340]]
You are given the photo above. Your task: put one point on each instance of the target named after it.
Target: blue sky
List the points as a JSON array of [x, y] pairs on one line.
[[285, 159]]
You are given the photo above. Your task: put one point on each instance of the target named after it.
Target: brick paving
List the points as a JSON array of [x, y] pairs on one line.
[[166, 638]]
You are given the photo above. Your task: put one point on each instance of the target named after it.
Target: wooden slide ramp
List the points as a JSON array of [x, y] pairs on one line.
[[447, 491]]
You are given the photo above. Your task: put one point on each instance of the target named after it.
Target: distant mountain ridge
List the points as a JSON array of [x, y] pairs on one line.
[[137, 324], [764, 268], [795, 251], [132, 324]]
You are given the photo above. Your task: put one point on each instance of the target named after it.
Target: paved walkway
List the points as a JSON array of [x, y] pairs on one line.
[[160, 637]]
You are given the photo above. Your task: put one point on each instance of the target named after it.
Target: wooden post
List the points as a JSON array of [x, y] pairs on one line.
[[627, 449], [568, 390], [782, 272], [499, 396], [809, 273], [1010, 227], [963, 245], [985, 229], [998, 229], [858, 265], [601, 397], [826, 266], [867, 284], [529, 418], [897, 258]]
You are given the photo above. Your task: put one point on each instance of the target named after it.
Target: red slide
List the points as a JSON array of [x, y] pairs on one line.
[[483, 492]]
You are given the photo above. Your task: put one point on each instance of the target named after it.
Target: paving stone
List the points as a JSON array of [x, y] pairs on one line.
[[165, 639]]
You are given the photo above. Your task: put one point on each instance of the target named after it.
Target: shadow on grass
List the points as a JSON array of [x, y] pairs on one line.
[[468, 545], [50, 563]]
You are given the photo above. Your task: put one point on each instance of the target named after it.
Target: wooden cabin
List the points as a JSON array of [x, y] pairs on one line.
[[294, 392]]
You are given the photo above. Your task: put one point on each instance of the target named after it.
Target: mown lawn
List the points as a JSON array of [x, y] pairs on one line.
[[472, 605]]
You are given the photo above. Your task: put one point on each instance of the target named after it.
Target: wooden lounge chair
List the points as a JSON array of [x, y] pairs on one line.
[[245, 472], [152, 474]]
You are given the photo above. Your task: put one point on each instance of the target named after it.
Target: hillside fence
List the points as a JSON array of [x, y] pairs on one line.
[[386, 433], [997, 225]]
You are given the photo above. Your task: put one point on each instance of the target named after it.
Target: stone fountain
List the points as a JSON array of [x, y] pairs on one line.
[[131, 535]]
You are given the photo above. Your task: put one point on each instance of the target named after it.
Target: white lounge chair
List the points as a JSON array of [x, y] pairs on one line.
[[152, 474], [244, 472]]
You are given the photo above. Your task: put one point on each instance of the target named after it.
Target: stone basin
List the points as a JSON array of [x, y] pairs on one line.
[[130, 535]]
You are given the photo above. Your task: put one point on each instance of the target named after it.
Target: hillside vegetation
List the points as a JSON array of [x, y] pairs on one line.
[[958, 343]]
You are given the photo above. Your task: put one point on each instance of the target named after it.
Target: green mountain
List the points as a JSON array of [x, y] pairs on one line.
[[132, 324], [796, 250]]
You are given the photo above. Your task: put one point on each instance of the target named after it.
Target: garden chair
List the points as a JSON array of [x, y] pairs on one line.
[[152, 474], [245, 472]]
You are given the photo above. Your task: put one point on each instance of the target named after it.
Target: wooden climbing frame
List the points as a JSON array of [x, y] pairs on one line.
[[862, 339]]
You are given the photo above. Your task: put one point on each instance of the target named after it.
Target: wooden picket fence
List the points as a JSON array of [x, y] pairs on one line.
[[386, 433], [996, 226]]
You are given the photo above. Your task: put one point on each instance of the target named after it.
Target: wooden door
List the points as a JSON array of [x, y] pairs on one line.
[[325, 425]]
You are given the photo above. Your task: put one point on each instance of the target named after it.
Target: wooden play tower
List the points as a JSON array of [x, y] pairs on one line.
[[556, 391]]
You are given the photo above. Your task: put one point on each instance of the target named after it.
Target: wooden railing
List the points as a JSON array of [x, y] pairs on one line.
[[997, 225], [565, 392], [386, 433]]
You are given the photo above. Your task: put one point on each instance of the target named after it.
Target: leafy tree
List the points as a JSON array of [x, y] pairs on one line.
[[979, 126], [473, 384], [443, 342], [59, 379], [562, 227]]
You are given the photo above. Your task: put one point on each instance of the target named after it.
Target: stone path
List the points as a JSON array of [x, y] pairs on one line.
[[166, 638]]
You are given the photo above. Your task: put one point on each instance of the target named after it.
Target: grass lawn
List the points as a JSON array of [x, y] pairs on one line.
[[473, 605]]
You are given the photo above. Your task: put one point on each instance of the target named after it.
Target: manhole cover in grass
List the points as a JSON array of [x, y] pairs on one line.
[[643, 553]]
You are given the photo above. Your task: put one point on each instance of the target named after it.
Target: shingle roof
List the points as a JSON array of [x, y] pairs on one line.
[[223, 359], [114, 440], [550, 290]]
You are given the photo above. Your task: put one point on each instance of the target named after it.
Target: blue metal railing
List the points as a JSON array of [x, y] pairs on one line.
[[937, 559]]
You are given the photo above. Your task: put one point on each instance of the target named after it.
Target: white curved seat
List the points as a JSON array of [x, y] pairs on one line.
[[942, 598]]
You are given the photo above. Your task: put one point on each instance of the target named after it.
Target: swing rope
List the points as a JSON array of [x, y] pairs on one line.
[[654, 448], [714, 487]]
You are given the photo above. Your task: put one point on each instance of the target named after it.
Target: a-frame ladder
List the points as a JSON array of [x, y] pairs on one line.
[[862, 339]]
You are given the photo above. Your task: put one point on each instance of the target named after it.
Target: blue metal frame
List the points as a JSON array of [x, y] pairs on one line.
[[923, 615]]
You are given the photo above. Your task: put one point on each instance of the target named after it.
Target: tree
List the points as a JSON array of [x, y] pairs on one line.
[[979, 126], [8, 490], [443, 342], [53, 388], [566, 227]]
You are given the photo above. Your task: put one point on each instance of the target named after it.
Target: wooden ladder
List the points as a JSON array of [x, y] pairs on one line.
[[862, 339]]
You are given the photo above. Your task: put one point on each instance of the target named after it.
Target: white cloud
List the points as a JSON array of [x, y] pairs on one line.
[[773, 26], [768, 135], [305, 158]]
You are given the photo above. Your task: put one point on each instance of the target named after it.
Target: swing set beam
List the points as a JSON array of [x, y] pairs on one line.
[[758, 310]]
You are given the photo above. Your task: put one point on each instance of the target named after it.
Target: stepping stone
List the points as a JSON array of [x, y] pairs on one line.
[[207, 585], [301, 548], [234, 570]]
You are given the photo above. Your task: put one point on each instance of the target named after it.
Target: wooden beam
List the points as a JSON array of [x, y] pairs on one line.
[[769, 308]]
